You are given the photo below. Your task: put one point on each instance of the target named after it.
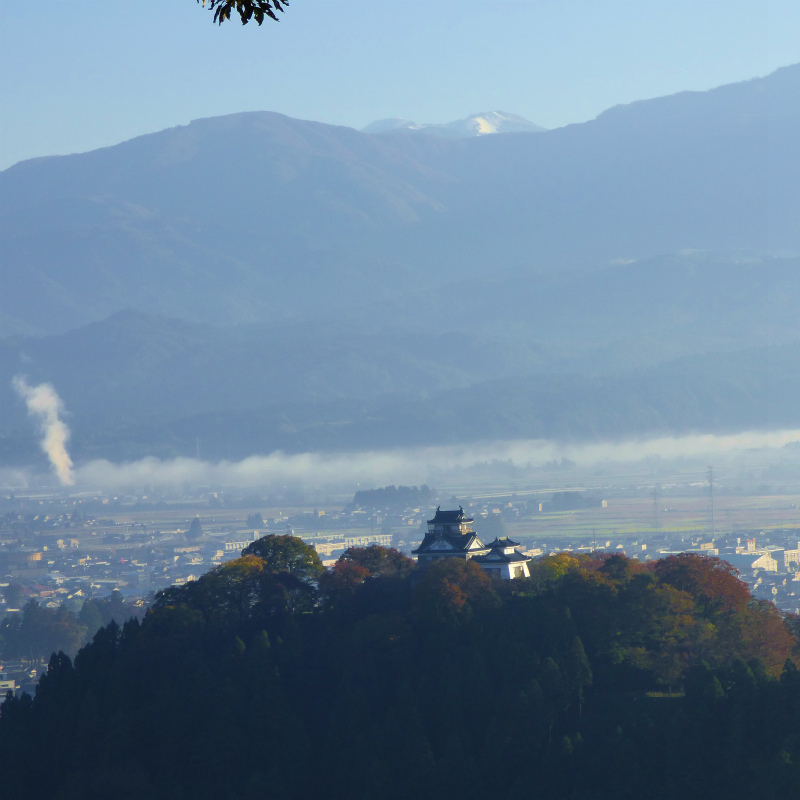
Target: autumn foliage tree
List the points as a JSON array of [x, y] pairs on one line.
[[714, 584], [599, 677], [359, 564], [276, 574], [377, 560], [451, 588], [287, 553]]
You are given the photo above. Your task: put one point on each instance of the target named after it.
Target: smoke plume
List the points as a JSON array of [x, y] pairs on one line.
[[45, 405]]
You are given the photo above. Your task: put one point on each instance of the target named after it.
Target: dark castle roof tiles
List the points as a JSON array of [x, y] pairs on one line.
[[498, 556], [504, 542], [449, 517], [438, 543]]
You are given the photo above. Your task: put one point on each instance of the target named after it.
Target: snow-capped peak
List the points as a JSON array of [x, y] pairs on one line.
[[480, 124]]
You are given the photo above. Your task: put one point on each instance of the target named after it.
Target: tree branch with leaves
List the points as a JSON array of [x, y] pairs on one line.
[[246, 9]]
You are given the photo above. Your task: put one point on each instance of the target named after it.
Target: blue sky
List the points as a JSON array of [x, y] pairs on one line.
[[79, 75]]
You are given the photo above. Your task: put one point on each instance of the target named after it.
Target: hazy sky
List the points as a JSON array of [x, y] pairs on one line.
[[79, 75]]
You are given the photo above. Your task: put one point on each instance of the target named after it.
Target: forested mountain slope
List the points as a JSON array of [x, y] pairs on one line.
[[257, 217], [704, 342], [137, 385]]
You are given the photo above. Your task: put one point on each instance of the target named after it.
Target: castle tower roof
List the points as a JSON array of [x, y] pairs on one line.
[[449, 517]]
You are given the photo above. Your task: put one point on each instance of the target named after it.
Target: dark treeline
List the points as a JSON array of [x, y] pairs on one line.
[[38, 631], [570, 501], [271, 677], [394, 497]]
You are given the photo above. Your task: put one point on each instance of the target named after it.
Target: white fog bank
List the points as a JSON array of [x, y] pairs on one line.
[[406, 465]]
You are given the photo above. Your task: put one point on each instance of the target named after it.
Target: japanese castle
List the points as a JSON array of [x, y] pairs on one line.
[[450, 535]]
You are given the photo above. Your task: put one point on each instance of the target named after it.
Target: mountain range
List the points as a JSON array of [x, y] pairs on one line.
[[265, 282], [257, 216]]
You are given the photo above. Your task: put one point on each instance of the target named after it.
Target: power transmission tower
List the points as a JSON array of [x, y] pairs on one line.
[[711, 500], [656, 524]]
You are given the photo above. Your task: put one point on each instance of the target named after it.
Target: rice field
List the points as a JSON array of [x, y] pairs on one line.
[[691, 516]]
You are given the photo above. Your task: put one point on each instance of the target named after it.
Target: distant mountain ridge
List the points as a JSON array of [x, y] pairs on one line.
[[257, 217], [480, 124], [667, 351], [263, 282]]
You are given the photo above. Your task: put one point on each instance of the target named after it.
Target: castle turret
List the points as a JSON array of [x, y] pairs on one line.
[[449, 535], [504, 560]]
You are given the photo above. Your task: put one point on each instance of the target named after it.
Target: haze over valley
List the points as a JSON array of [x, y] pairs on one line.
[[253, 283]]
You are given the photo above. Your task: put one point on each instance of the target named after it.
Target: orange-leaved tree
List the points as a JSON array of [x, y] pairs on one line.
[[358, 564], [451, 588], [379, 560], [713, 583]]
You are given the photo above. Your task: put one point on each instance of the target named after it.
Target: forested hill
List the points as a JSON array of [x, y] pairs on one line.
[[271, 677]]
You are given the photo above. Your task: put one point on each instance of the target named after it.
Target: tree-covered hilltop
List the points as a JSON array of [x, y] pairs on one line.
[[271, 677], [394, 497]]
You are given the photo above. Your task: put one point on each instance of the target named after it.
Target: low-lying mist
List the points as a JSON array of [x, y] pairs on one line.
[[396, 466]]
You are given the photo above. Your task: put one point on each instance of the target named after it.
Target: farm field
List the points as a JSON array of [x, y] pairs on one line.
[[638, 516], [623, 517]]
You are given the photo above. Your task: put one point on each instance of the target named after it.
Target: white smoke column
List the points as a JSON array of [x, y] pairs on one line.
[[45, 405]]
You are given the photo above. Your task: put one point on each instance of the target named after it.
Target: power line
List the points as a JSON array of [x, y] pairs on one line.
[[656, 522], [711, 499]]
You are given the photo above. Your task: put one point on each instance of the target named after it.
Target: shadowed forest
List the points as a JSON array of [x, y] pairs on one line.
[[271, 677]]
